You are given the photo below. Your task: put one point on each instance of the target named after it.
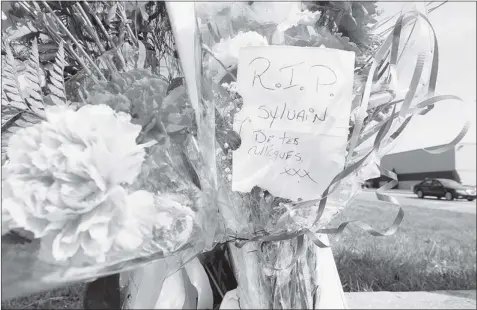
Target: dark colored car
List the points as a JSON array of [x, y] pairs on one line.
[[449, 189]]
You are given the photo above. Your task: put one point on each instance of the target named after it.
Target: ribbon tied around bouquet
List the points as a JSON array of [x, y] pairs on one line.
[[389, 49]]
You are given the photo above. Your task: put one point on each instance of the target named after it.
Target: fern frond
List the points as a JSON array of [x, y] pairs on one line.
[[13, 119], [57, 85], [9, 120], [4, 98], [19, 112], [10, 84], [35, 98], [112, 13]]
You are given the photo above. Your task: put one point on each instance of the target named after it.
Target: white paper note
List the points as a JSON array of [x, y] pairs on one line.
[[294, 121]]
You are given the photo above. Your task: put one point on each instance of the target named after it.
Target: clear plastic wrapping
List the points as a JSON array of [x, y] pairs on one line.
[[281, 273], [113, 177], [130, 160]]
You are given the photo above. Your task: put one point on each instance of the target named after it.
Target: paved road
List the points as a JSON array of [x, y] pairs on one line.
[[412, 300], [410, 199]]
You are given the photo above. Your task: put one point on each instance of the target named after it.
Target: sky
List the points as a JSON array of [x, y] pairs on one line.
[[455, 27]]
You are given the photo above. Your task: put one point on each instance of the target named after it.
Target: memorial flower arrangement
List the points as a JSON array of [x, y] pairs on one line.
[[127, 151], [276, 236], [102, 171]]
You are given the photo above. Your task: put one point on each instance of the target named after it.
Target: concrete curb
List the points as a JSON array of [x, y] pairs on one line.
[[391, 191], [412, 300]]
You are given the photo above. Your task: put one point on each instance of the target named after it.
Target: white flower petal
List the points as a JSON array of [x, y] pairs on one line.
[[130, 168], [17, 213], [100, 215], [62, 250], [39, 160], [92, 247], [38, 191], [81, 197], [7, 222], [58, 214], [56, 225], [70, 233], [99, 232], [278, 37], [128, 239], [142, 202], [64, 181], [140, 212], [96, 177], [227, 50], [54, 196]]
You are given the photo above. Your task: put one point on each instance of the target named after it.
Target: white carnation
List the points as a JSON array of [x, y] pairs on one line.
[[227, 51], [173, 223], [66, 179], [284, 14], [207, 11]]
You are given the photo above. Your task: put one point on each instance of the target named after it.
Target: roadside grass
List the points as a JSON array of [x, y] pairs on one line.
[[70, 297], [432, 250]]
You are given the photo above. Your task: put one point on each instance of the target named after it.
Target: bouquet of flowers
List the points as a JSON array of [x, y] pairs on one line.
[[120, 151], [103, 172], [276, 231]]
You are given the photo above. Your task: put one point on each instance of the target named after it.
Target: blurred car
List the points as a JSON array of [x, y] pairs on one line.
[[449, 189]]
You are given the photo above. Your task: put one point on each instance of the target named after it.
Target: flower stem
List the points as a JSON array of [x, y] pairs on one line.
[[207, 49], [68, 33]]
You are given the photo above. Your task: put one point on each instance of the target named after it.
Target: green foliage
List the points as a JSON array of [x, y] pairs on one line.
[[88, 29], [23, 109], [35, 99], [57, 85], [10, 84], [16, 111], [350, 18]]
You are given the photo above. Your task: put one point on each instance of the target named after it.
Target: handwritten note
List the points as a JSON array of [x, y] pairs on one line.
[[294, 121]]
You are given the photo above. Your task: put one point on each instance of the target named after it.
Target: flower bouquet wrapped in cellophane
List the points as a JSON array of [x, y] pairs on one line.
[[104, 172], [274, 255]]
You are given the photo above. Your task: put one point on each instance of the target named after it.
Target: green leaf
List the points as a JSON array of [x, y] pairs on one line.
[[57, 85], [213, 32], [10, 85], [189, 167], [345, 6], [16, 112], [4, 98], [35, 98], [9, 120], [144, 14], [141, 60], [370, 6], [112, 13]]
